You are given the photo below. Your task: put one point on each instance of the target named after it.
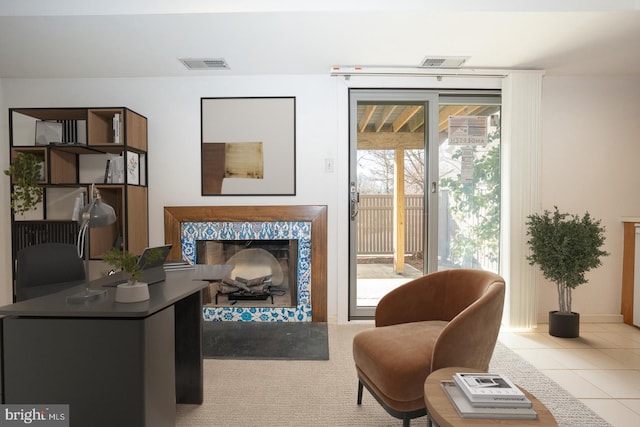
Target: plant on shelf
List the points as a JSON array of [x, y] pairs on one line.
[[565, 247], [26, 171]]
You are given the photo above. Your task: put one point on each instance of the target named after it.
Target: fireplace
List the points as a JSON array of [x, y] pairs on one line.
[[264, 271], [239, 239], [299, 227]]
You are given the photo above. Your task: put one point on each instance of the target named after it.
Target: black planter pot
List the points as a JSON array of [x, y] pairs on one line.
[[564, 325]]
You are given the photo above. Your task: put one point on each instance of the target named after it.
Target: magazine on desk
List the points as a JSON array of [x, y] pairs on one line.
[[466, 410]]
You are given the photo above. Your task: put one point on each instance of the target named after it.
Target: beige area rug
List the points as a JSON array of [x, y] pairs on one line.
[[279, 393]]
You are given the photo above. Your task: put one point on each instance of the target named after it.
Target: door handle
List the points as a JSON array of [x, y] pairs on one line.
[[354, 198]]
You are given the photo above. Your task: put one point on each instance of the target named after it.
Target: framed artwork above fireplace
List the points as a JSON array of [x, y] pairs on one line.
[[248, 146]]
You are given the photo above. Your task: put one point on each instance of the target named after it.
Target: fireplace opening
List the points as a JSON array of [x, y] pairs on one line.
[[264, 272]]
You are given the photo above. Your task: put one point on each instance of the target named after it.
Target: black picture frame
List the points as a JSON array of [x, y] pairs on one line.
[[248, 146]]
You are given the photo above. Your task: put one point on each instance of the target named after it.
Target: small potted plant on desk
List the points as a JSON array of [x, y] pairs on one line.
[[565, 247], [133, 290]]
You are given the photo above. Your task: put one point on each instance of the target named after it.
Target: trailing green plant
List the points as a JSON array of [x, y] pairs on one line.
[[565, 247], [25, 171], [127, 262]]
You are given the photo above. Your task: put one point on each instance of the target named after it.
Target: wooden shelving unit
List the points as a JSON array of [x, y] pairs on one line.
[[75, 163]]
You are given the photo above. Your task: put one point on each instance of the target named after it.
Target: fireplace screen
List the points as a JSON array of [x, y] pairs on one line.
[[264, 272]]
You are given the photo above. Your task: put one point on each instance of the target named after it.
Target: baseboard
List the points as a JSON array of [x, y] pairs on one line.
[[588, 318]]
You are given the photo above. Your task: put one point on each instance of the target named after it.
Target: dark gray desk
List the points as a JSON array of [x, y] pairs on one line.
[[114, 364]]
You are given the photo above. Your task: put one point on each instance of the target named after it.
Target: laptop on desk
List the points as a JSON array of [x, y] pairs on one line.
[[151, 262]]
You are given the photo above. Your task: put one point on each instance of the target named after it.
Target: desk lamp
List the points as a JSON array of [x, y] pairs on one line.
[[96, 214]]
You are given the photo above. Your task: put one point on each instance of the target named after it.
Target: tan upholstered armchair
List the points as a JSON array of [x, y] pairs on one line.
[[446, 319]]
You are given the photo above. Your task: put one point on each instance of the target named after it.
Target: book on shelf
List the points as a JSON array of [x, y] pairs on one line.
[[466, 410], [114, 171], [107, 174], [496, 389], [116, 128]]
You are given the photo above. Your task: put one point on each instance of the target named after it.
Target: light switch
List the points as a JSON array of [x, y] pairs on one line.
[[329, 166]]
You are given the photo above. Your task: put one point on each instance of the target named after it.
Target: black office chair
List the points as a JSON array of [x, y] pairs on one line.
[[47, 268]]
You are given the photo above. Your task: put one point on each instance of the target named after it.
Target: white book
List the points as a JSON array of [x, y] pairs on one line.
[[116, 169], [116, 128], [466, 410], [488, 387]]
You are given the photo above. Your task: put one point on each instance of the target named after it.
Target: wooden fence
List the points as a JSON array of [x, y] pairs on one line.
[[375, 231], [375, 224]]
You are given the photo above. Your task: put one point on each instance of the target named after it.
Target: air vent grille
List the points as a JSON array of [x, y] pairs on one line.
[[443, 61], [205, 63]]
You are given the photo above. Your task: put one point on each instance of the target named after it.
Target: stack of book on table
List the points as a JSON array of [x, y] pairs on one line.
[[487, 395]]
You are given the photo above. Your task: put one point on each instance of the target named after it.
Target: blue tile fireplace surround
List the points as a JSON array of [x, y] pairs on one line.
[[186, 226], [192, 232]]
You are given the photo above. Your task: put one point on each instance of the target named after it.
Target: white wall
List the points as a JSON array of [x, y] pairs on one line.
[[589, 145], [590, 155]]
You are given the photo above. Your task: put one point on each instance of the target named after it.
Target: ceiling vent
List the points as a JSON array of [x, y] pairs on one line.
[[443, 62], [205, 63]]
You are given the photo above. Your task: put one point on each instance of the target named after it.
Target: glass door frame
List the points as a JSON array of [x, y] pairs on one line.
[[433, 99], [430, 100]]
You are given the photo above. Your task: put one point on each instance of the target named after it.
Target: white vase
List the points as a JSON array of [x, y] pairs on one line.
[[132, 293]]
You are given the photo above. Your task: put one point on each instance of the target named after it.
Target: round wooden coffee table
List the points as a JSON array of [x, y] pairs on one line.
[[441, 410]]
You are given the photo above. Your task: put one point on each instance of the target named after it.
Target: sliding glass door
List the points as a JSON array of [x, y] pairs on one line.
[[422, 193]]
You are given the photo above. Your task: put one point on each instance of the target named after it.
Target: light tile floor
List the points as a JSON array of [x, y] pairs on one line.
[[601, 368]]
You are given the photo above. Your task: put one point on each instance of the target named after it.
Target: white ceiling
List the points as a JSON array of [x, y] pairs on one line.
[[143, 38]]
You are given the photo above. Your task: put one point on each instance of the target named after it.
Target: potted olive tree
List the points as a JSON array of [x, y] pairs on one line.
[[565, 247]]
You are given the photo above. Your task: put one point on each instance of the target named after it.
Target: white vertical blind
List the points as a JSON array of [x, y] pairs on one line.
[[521, 134]]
